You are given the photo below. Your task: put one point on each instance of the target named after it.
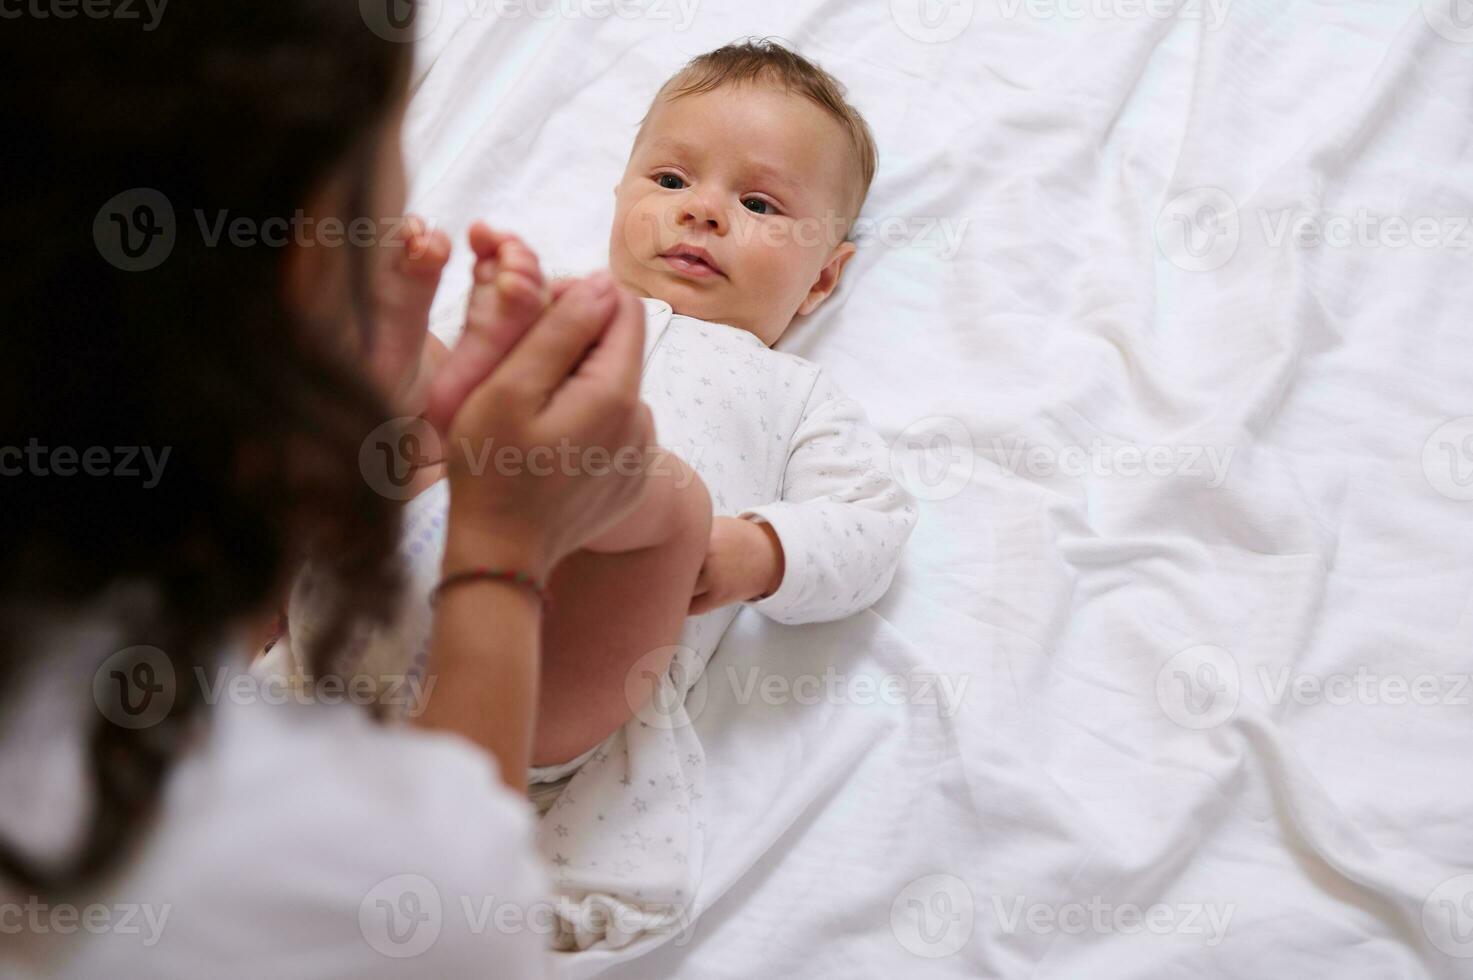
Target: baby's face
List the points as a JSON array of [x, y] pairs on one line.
[[734, 207]]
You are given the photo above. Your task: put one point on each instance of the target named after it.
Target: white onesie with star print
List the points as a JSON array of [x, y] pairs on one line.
[[775, 440]]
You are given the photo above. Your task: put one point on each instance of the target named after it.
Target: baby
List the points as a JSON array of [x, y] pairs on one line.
[[731, 220]]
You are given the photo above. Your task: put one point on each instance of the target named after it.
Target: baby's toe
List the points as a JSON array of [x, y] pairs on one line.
[[428, 254], [517, 258]]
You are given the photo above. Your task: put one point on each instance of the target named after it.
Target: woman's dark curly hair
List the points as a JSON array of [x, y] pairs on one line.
[[245, 106]]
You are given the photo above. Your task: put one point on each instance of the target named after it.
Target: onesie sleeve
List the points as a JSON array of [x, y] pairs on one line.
[[842, 519]]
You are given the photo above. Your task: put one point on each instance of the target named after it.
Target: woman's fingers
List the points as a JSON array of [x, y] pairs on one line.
[[467, 366], [618, 360], [549, 352], [573, 377]]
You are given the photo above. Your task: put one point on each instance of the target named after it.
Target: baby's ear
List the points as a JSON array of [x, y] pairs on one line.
[[828, 278]]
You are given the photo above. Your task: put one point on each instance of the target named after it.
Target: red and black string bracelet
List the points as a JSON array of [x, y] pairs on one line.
[[510, 576]]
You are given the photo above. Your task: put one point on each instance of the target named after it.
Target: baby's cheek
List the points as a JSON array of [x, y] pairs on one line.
[[635, 234], [783, 274]]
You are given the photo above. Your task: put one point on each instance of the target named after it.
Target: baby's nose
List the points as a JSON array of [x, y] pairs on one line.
[[697, 209]]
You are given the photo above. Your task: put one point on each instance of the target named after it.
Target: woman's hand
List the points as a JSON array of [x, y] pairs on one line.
[[743, 561], [529, 455], [549, 451]]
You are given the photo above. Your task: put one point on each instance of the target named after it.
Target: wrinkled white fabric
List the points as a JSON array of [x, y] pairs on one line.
[[1011, 295]]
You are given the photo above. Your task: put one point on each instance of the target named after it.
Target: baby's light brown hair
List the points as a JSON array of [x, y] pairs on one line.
[[765, 60]]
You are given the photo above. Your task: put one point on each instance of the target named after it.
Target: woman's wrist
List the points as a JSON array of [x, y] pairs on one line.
[[476, 541]]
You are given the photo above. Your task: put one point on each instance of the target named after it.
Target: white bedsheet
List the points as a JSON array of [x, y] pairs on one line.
[[1034, 316]]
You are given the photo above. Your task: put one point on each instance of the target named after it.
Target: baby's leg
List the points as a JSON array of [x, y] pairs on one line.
[[614, 606], [404, 293]]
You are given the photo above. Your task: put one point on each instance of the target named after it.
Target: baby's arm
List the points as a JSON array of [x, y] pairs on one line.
[[842, 520]]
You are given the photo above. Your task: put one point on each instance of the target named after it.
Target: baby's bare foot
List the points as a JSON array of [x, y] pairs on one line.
[[508, 296], [405, 294], [414, 275]]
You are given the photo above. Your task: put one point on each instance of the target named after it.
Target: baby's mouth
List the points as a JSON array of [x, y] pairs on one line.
[[691, 261]]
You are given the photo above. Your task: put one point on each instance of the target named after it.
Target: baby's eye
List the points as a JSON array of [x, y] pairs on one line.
[[757, 206], [670, 182]]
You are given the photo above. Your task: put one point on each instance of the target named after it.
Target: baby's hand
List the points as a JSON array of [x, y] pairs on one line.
[[508, 295], [743, 561]]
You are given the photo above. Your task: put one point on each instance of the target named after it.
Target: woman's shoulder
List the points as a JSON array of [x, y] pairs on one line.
[[320, 739], [340, 841]]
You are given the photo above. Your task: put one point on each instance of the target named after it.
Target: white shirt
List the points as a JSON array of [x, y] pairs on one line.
[[296, 840]]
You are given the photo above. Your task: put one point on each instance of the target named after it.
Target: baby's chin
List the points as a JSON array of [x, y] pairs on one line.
[[685, 305], [693, 301], [697, 307]]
